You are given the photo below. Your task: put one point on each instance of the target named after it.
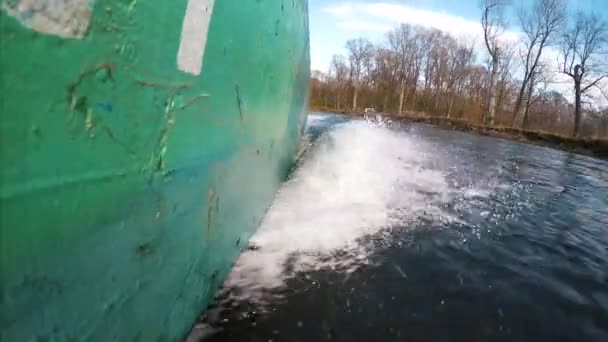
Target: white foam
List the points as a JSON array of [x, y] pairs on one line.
[[315, 118], [357, 179]]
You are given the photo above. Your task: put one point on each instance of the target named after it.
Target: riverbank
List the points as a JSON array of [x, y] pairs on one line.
[[597, 148]]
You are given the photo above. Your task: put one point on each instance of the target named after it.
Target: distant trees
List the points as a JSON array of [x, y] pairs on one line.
[[493, 24], [338, 74], [360, 53], [539, 25], [460, 58], [418, 68], [583, 44], [424, 71]]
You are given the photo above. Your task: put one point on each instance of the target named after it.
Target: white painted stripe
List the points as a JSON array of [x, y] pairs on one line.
[[194, 36]]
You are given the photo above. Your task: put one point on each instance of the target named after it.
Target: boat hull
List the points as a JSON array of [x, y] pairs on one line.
[[141, 143]]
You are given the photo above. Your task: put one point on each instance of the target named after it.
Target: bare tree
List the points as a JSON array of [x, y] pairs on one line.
[[399, 41], [461, 57], [584, 43], [539, 25], [505, 82], [493, 24], [409, 44], [317, 78], [359, 55], [338, 72], [384, 76], [435, 74], [418, 45]]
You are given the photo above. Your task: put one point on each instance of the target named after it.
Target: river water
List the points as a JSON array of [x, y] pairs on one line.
[[404, 232]]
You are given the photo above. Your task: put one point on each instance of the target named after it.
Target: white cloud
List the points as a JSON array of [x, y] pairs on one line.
[[355, 25], [405, 14], [342, 10], [383, 16], [389, 14]]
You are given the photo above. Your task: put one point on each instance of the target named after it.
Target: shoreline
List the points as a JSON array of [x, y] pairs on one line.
[[597, 148]]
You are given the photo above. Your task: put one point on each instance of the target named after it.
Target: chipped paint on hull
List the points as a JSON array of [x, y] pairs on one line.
[[64, 18]]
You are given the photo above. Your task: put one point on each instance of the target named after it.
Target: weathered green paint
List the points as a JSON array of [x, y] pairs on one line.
[[128, 186]]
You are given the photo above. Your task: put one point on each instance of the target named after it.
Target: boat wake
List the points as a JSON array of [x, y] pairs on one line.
[[358, 179], [436, 204]]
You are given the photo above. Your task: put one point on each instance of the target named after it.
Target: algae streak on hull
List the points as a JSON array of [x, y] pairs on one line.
[[141, 143]]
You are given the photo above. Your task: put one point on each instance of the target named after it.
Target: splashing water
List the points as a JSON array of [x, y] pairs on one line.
[[356, 180], [388, 230]]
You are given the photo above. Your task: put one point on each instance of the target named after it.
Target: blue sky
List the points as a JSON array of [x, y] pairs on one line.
[[332, 22]]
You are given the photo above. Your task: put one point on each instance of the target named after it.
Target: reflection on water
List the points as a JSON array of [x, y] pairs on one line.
[[390, 231]]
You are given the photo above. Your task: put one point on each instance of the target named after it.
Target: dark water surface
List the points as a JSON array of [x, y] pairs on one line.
[[456, 237]]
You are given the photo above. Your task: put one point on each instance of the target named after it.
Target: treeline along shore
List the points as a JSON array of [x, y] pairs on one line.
[[547, 83], [595, 147]]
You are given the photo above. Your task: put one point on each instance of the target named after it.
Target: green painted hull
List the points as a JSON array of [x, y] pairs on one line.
[[134, 165]]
